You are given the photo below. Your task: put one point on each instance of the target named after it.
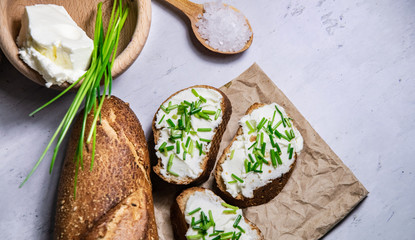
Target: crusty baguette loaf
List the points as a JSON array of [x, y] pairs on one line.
[[177, 215], [262, 194], [208, 162], [114, 199]]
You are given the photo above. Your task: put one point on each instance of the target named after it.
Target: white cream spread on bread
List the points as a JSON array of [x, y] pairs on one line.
[[265, 150], [187, 123], [227, 219]]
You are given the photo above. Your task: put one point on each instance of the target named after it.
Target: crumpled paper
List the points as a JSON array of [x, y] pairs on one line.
[[320, 192]]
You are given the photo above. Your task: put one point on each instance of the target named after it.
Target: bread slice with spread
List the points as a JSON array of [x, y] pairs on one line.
[[188, 129], [258, 162], [198, 213]]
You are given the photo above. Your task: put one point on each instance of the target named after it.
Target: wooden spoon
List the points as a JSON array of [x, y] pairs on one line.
[[132, 39], [193, 10]]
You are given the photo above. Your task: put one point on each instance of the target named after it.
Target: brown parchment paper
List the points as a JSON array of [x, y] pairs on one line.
[[320, 192]]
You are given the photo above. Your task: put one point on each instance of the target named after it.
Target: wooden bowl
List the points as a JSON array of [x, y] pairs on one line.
[[83, 12]]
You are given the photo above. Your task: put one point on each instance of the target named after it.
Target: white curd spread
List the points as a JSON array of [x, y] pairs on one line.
[[52, 43], [249, 158], [208, 201], [183, 149]]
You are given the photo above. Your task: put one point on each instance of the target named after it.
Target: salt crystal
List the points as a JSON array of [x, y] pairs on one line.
[[223, 28]]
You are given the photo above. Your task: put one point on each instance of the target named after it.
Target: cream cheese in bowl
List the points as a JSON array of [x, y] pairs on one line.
[[53, 44]]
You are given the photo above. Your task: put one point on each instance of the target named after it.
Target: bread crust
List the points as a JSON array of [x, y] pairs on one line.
[[116, 193], [263, 194], [209, 160], [177, 214]]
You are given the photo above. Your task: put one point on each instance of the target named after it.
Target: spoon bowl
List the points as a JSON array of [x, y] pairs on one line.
[[193, 11], [132, 39]]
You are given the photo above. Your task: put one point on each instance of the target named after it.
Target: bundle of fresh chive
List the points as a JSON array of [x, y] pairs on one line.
[[102, 60], [203, 224], [257, 151], [181, 146]]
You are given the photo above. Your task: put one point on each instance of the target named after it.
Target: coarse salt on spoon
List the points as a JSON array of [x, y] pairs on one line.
[[195, 12]]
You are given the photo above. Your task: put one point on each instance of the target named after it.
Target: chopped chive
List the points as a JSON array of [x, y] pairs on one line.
[[169, 164], [277, 147], [195, 93], [177, 147], [288, 149], [169, 148], [170, 122], [164, 109], [252, 145], [214, 234], [190, 149], [229, 206], [273, 160], [278, 134], [198, 236], [193, 132], [187, 103], [292, 133], [251, 158], [261, 138], [162, 118], [261, 123], [204, 116], [229, 212], [258, 153], [287, 120], [278, 159], [171, 107], [237, 178], [238, 219], [216, 238], [194, 211], [211, 217], [195, 110], [282, 116], [255, 166], [184, 155], [288, 135], [233, 181], [202, 99], [204, 129], [226, 235], [271, 139], [273, 117], [187, 141], [263, 147], [277, 125], [162, 146], [249, 126], [217, 114], [246, 162], [209, 112], [240, 229], [265, 161], [232, 153], [205, 140], [285, 137], [249, 167], [291, 153]]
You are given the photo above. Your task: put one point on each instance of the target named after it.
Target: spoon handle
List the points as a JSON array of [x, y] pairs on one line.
[[191, 9]]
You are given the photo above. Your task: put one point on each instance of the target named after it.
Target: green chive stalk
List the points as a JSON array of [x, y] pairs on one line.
[[102, 60]]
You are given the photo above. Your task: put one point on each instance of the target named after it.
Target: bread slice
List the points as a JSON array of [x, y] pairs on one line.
[[204, 163], [114, 199], [263, 190], [181, 226]]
